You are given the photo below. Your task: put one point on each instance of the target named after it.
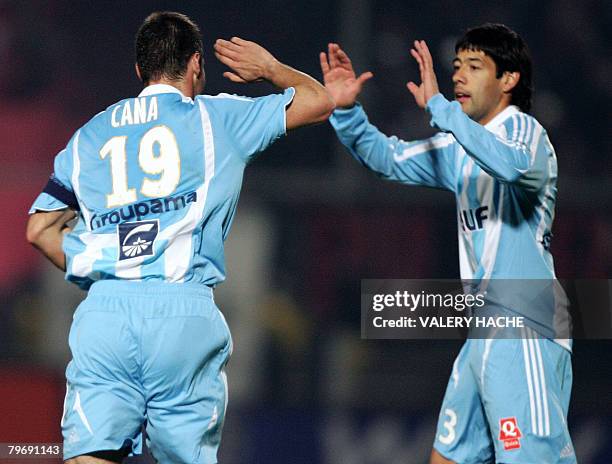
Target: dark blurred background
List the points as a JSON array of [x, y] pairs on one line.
[[304, 387]]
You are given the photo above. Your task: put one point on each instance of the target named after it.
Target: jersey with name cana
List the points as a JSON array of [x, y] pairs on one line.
[[156, 179]]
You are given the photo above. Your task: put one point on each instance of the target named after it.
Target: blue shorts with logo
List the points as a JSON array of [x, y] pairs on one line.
[[507, 402], [147, 352]]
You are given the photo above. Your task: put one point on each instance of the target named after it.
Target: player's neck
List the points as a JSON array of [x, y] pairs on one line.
[[501, 106], [182, 85]]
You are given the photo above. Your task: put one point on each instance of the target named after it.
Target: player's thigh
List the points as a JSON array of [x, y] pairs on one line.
[[462, 432], [525, 391], [184, 374], [103, 407]]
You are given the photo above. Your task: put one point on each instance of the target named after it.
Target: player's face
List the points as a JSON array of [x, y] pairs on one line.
[[477, 88]]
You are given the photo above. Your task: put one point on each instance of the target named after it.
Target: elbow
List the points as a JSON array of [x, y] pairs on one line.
[[34, 231], [311, 105]]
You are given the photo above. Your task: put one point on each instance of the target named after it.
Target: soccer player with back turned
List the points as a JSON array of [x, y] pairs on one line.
[[507, 399], [154, 181]]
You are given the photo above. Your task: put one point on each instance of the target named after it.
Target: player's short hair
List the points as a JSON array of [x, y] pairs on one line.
[[164, 43], [509, 52]]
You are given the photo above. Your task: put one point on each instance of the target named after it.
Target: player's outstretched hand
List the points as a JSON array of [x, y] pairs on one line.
[[429, 84], [248, 61], [339, 76]]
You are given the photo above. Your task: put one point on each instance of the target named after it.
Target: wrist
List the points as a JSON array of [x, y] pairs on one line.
[[347, 106], [434, 100], [271, 69], [347, 109]]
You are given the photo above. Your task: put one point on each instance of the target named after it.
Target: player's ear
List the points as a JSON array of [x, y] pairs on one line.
[[137, 68], [510, 80], [196, 63]]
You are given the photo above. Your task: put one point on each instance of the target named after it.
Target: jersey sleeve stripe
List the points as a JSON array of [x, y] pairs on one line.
[[433, 143]]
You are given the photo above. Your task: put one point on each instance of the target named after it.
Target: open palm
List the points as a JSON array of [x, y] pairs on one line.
[[339, 76], [429, 84]]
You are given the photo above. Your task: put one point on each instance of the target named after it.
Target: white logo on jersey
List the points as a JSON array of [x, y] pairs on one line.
[[137, 238], [139, 245]]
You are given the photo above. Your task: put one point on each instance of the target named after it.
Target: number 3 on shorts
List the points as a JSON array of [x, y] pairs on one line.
[[449, 425]]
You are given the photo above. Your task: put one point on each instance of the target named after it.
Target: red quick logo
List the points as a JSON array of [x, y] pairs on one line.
[[510, 433]]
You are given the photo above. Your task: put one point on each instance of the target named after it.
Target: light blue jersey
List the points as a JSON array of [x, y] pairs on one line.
[[156, 179], [504, 179]]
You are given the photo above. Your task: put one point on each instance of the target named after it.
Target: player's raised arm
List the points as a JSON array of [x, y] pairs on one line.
[[250, 62], [517, 159], [423, 162]]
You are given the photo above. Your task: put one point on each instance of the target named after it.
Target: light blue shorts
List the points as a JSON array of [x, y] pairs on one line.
[[507, 402], [147, 352]]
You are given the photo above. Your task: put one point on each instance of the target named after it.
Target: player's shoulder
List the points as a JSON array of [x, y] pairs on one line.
[[236, 109], [225, 107], [227, 97], [95, 119], [98, 124], [101, 117], [225, 101], [515, 118], [520, 125], [91, 125], [240, 101]]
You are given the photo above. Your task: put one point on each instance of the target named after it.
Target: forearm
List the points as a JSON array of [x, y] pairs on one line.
[[502, 159], [364, 141], [311, 104], [50, 245], [46, 232], [420, 162]]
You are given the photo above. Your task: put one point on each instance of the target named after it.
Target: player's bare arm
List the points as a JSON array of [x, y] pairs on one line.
[[339, 76], [46, 230], [429, 84], [250, 62]]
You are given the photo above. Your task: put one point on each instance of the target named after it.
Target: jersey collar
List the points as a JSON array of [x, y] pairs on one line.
[[159, 88], [502, 116]]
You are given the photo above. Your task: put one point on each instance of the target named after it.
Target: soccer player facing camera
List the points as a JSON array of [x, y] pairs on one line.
[[154, 181], [507, 399]]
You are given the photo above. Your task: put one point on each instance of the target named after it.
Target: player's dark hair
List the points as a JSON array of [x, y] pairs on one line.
[[509, 52], [164, 43]]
